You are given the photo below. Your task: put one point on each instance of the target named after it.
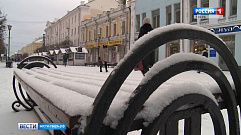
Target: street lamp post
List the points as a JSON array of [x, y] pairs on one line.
[[8, 60], [9, 28]]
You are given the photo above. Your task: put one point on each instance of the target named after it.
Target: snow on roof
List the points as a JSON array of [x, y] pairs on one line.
[[63, 50], [39, 41], [73, 49], [45, 53], [84, 50], [56, 51], [51, 52]]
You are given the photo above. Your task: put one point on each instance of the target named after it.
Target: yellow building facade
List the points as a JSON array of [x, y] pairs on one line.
[[110, 28], [31, 48]]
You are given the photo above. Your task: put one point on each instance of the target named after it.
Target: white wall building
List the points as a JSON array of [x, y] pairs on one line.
[[68, 27], [167, 12]]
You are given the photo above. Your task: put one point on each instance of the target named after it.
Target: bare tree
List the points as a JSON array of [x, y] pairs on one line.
[[3, 26]]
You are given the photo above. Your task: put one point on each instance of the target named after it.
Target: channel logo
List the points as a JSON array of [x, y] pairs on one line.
[[208, 11], [42, 126]]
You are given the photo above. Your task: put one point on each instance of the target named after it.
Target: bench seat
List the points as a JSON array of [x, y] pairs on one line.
[[65, 96]]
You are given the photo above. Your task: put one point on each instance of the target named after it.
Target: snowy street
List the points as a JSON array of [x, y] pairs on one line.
[[9, 119]]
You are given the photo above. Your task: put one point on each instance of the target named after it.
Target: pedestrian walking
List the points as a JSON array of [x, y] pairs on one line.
[[65, 59], [205, 52], [149, 60], [103, 57]]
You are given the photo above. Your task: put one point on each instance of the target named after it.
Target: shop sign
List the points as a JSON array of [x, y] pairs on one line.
[[117, 42], [89, 46], [110, 43], [212, 52], [228, 29]]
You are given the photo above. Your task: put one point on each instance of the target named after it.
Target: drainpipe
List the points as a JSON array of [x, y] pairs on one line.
[[79, 20], [109, 19]]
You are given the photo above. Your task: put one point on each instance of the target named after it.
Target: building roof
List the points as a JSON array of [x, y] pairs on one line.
[[38, 41], [56, 51], [84, 50], [73, 49], [63, 50], [51, 52]]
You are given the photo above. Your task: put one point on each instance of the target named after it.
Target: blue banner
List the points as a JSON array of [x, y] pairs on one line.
[[228, 29], [51, 126], [204, 11]]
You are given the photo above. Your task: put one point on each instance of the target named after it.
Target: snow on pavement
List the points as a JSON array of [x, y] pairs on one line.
[[9, 119]]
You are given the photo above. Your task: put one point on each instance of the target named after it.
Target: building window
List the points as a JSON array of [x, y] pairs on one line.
[[197, 47], [137, 23], [177, 13], [60, 56], [123, 27], [80, 56], [143, 15], [230, 42], [233, 7], [172, 47], [94, 35], [89, 36], [83, 36], [100, 31], [114, 29], [168, 15], [156, 18], [106, 31], [70, 56], [204, 3], [193, 4], [223, 5]]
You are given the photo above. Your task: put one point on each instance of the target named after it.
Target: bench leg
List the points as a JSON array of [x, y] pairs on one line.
[[193, 125], [171, 128], [58, 132]]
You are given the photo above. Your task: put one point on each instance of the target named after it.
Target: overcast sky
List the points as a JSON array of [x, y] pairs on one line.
[[28, 18]]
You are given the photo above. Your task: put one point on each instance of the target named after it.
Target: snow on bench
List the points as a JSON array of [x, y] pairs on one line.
[[74, 91]]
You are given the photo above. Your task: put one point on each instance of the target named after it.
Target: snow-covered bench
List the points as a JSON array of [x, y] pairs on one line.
[[92, 104]]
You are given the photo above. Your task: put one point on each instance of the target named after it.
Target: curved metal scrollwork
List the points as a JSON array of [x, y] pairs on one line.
[[201, 100], [143, 91], [22, 100], [21, 64], [142, 48], [28, 104], [36, 64]]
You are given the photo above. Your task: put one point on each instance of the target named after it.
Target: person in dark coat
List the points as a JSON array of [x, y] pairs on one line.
[[65, 58], [149, 60], [205, 52], [103, 57]]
